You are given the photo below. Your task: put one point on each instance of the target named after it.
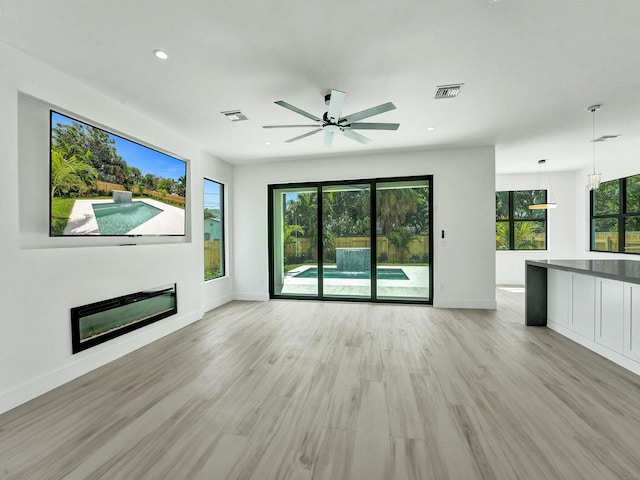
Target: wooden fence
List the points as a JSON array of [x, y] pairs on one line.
[[608, 241], [212, 250], [108, 187], [418, 247], [168, 198]]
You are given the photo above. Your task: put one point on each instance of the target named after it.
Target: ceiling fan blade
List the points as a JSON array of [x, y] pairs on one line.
[[328, 138], [299, 137], [356, 136], [288, 126], [288, 106], [369, 112], [374, 126], [335, 105]]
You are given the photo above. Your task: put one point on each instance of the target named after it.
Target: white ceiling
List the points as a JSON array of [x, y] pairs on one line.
[[530, 69]]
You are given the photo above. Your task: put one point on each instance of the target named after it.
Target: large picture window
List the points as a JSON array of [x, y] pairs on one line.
[[518, 227], [615, 216], [213, 229]]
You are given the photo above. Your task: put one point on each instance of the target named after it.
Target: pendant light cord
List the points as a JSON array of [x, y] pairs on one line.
[[593, 140]]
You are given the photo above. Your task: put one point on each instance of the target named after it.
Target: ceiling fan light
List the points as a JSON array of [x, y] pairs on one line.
[[594, 180]]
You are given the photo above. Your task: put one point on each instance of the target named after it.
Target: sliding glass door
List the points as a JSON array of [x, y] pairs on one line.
[[346, 231], [365, 240], [402, 237], [294, 238]]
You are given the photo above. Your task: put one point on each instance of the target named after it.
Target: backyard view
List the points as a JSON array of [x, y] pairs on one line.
[[616, 209], [517, 226], [401, 228], [89, 164], [213, 230]]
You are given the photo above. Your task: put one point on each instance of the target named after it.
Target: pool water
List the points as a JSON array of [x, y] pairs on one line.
[[381, 274], [121, 218]]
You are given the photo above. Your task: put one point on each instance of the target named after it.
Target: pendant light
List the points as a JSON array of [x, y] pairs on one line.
[[594, 178], [547, 205]]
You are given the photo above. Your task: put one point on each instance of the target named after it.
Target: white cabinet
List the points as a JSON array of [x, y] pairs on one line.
[[632, 321], [559, 297], [582, 319], [610, 314], [598, 312]]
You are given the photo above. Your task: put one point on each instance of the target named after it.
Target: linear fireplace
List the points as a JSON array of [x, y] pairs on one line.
[[101, 321]]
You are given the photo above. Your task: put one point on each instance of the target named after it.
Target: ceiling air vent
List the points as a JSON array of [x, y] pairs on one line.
[[448, 91], [235, 115]]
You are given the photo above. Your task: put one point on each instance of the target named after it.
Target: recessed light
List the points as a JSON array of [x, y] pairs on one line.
[[431, 128], [267, 143], [161, 54]]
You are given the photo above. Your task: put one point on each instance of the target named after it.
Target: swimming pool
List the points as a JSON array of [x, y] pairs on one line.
[[120, 218], [332, 272]]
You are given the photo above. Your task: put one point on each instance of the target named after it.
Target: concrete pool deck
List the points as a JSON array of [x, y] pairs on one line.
[[170, 221], [417, 286]]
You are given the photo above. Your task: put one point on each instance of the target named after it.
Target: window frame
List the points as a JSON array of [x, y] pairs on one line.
[[320, 188], [223, 269], [511, 221], [620, 217]]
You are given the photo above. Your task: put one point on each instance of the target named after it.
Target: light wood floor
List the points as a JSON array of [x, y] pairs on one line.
[[310, 390]]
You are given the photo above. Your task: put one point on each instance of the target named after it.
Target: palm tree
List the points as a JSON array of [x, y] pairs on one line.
[[181, 186], [400, 238], [68, 174], [502, 235], [289, 233], [394, 206]]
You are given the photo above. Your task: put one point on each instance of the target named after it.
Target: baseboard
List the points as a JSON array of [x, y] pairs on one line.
[[217, 302], [601, 350], [460, 303], [88, 360], [252, 297]]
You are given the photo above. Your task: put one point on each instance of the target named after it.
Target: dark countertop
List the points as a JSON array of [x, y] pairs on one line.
[[621, 270]]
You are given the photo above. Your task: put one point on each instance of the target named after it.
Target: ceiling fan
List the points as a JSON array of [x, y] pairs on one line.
[[331, 121]]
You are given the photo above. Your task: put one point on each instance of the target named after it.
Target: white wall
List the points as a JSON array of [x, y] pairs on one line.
[[464, 206], [562, 223], [41, 279]]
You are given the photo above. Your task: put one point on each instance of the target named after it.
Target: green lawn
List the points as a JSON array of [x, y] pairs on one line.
[[60, 211]]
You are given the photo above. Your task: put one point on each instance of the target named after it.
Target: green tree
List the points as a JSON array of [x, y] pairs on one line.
[[166, 184], [289, 233], [502, 235], [151, 181], [181, 186], [93, 146], [134, 177], [400, 237], [69, 174], [525, 235], [607, 198], [394, 207]]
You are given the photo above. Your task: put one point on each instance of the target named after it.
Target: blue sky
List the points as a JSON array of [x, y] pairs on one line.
[[145, 159], [211, 194]]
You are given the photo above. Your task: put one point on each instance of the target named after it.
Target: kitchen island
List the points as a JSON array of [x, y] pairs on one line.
[[594, 302]]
